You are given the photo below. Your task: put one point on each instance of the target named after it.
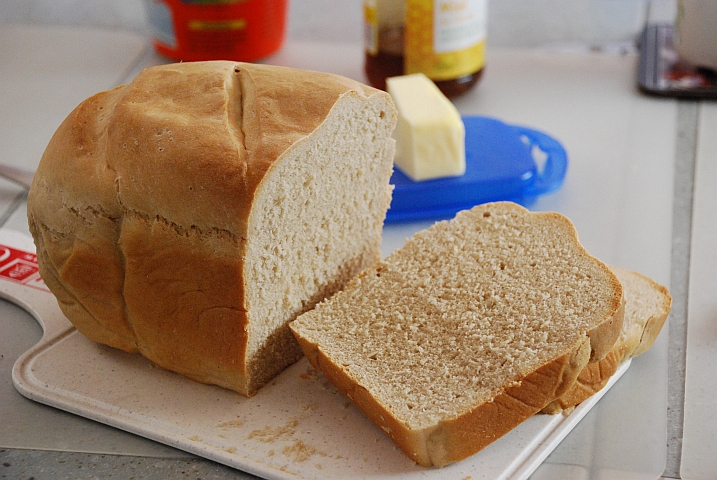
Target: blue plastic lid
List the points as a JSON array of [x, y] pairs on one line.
[[503, 162]]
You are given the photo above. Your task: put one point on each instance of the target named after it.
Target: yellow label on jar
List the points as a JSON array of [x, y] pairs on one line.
[[370, 16], [237, 24], [445, 39]]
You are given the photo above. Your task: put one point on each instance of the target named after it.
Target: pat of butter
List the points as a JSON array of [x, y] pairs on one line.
[[430, 135]]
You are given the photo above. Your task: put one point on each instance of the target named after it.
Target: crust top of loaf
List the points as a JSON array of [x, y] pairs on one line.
[[203, 146]]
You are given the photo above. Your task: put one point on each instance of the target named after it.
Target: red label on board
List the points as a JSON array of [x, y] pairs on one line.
[[20, 267]]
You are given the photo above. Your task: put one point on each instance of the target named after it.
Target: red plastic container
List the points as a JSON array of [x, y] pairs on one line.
[[195, 30]]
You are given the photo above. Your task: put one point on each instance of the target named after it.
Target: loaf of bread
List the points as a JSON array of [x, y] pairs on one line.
[[192, 213], [472, 327], [647, 305]]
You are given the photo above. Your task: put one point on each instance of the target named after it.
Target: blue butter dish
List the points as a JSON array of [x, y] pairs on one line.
[[503, 162]]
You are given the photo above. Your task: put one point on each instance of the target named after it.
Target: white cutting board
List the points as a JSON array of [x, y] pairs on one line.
[[297, 426]]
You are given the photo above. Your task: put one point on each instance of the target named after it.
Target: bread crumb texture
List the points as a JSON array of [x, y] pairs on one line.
[[466, 310], [647, 305]]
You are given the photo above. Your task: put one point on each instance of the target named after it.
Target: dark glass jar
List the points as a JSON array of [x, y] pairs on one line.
[[443, 39]]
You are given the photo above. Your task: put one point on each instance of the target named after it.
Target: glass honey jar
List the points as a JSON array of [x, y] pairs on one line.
[[443, 39]]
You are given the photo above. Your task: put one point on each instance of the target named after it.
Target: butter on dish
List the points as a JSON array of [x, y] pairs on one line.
[[430, 135]]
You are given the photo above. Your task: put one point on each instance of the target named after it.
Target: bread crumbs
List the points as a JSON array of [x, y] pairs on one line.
[[300, 452], [309, 374], [231, 424], [272, 434]]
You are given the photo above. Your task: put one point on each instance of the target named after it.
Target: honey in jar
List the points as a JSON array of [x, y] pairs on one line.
[[443, 39]]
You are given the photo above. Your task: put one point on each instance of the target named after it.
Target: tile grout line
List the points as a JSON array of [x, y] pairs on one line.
[[685, 159]]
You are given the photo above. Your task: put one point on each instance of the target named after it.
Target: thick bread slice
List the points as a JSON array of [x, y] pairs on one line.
[[647, 305], [192, 213], [472, 327]]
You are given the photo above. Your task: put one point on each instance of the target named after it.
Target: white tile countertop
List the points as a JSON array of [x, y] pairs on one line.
[[628, 191], [700, 427]]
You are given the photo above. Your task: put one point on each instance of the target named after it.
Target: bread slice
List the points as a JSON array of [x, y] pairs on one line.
[[647, 305], [472, 327], [192, 213]]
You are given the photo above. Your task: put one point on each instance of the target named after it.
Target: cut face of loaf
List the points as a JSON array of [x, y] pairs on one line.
[[191, 214], [472, 327], [647, 305]]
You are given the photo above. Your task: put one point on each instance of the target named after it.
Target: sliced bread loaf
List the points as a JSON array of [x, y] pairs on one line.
[[192, 213], [647, 305], [469, 329]]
